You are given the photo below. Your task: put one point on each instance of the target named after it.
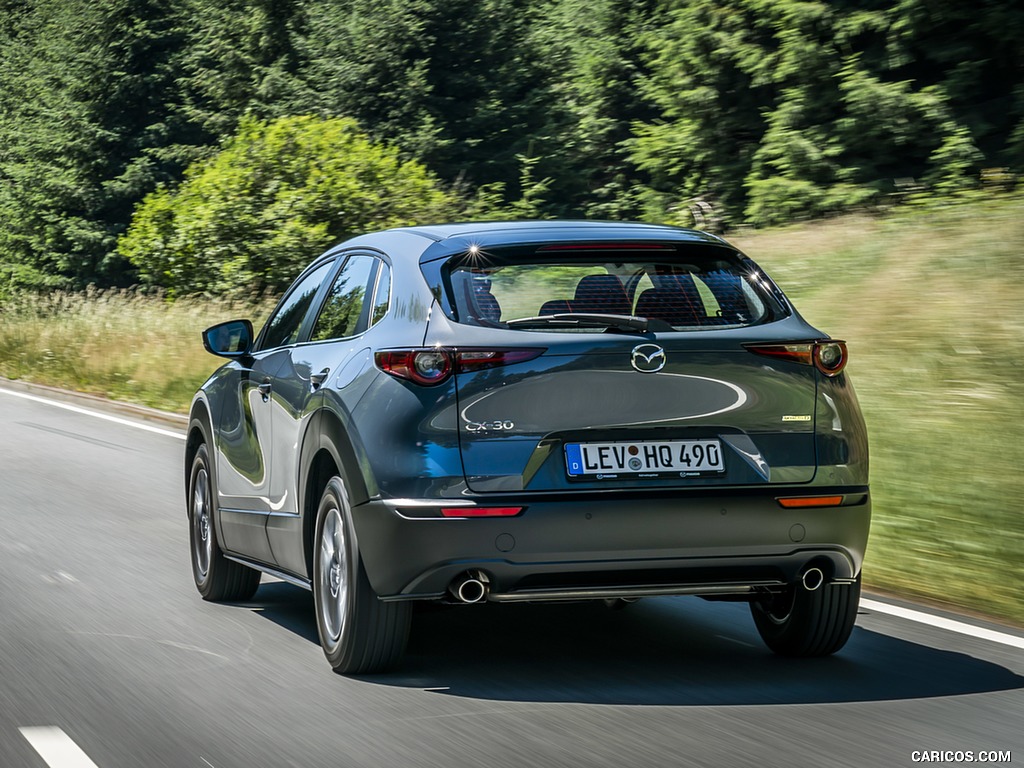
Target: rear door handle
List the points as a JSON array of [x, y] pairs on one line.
[[316, 380], [264, 389]]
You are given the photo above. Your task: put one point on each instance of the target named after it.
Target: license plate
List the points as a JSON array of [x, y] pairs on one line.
[[683, 458]]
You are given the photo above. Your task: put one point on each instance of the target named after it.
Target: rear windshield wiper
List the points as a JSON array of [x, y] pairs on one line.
[[584, 319]]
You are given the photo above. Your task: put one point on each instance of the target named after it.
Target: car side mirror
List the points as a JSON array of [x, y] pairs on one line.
[[232, 339]]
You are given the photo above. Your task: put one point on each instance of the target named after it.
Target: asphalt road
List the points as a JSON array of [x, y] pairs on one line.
[[106, 645]]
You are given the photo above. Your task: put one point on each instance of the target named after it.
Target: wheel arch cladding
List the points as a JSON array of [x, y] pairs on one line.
[[328, 452], [199, 432]]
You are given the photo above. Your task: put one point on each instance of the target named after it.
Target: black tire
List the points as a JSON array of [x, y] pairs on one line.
[[216, 577], [359, 633], [801, 623]]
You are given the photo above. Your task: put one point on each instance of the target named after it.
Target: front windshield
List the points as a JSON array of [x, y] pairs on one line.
[[685, 291]]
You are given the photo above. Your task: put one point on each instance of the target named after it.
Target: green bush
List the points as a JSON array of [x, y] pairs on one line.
[[250, 217]]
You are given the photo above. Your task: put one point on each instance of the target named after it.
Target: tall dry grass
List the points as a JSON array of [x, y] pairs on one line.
[[932, 303], [123, 345]]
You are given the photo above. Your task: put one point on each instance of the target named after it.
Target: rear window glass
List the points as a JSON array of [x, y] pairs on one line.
[[680, 292]]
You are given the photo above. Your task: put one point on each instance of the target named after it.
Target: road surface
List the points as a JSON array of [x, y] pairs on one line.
[[110, 659]]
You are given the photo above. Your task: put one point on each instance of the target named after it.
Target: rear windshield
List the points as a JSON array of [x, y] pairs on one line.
[[679, 292]]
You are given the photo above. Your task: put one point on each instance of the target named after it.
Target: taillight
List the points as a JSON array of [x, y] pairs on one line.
[[434, 365], [828, 356], [468, 360], [481, 511], [422, 366]]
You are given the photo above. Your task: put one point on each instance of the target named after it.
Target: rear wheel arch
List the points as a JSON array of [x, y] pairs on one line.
[[327, 452]]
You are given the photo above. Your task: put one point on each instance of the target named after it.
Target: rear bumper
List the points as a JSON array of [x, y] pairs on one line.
[[615, 544]]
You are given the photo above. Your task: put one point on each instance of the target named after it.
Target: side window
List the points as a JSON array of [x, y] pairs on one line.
[[382, 295], [283, 328], [344, 304]]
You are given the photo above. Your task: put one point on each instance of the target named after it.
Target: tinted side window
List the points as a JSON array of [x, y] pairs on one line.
[[283, 328], [344, 305], [382, 295]]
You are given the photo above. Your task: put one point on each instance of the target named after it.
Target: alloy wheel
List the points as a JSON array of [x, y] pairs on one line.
[[202, 535], [334, 580]]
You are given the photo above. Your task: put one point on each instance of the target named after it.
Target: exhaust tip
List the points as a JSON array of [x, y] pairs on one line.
[[812, 579], [469, 587]]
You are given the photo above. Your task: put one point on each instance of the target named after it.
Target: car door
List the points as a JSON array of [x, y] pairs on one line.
[[332, 339], [246, 422]]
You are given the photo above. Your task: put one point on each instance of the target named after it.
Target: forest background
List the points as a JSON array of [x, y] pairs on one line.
[[708, 112], [165, 164]]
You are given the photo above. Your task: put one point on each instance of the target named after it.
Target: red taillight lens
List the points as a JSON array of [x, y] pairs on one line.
[[422, 366], [469, 360], [827, 356], [481, 511], [434, 365], [803, 502]]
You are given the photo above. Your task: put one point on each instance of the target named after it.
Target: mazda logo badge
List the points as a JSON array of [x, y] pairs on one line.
[[648, 358]]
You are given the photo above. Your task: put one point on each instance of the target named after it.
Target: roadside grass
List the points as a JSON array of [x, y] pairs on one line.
[[931, 301], [932, 305], [117, 344]]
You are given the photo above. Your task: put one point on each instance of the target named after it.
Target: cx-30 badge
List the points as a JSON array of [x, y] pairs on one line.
[[648, 358]]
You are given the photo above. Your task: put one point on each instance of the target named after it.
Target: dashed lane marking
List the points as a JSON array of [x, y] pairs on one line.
[[56, 747], [94, 414]]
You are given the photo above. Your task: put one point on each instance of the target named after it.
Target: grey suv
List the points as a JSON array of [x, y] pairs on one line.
[[531, 411]]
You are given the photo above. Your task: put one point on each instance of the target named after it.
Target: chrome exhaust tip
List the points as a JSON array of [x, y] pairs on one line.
[[812, 579], [469, 587]]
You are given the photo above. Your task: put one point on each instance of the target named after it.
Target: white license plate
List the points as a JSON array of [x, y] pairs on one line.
[[680, 457]]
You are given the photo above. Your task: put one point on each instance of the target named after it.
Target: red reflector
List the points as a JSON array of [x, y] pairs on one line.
[[811, 501], [481, 511]]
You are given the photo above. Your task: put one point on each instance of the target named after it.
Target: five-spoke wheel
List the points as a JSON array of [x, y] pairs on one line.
[[359, 633], [216, 577]]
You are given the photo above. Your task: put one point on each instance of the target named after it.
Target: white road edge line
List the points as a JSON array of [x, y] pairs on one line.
[[942, 623], [96, 414], [56, 747]]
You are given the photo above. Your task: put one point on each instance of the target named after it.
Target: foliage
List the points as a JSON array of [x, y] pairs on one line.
[[73, 159], [792, 108], [453, 83], [705, 112], [237, 58], [250, 217]]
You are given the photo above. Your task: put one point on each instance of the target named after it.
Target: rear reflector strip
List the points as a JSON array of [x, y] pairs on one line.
[[481, 511], [799, 502]]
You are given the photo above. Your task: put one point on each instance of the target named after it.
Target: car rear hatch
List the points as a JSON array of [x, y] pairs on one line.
[[618, 367]]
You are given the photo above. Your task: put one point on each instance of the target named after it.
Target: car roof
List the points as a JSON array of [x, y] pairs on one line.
[[455, 238], [514, 231], [439, 241]]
